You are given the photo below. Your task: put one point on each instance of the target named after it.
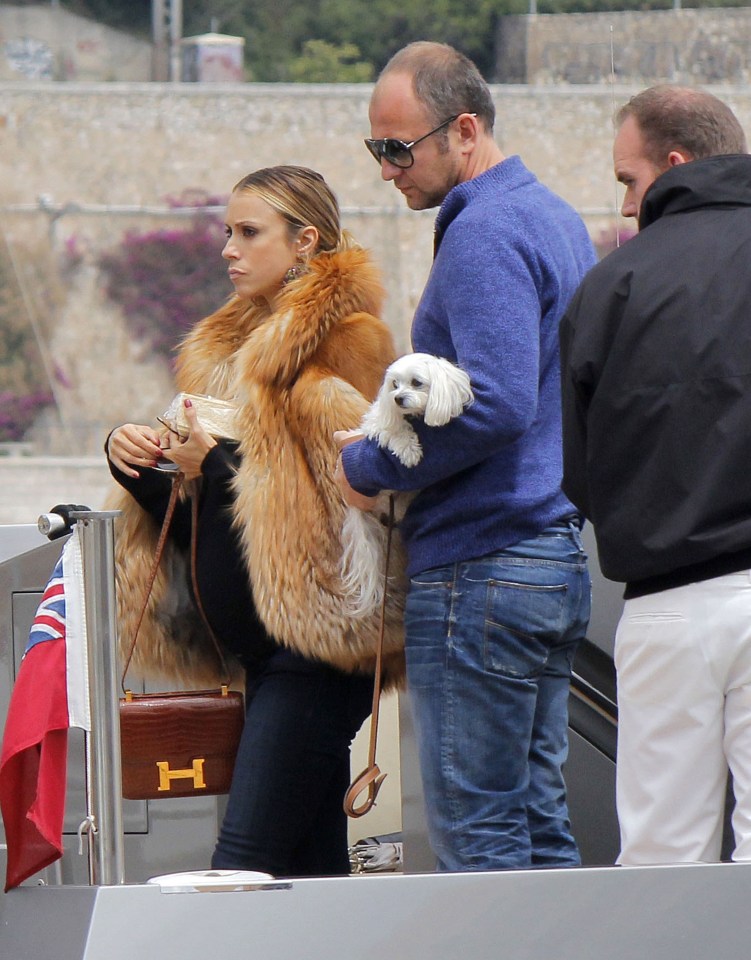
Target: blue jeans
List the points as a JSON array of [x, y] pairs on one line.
[[285, 814], [490, 643]]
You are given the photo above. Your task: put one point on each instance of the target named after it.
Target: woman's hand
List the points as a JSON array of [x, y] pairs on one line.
[[189, 452], [133, 445]]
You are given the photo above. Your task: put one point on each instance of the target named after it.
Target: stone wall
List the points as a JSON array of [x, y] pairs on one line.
[[31, 485], [48, 43], [705, 46], [88, 162], [84, 163]]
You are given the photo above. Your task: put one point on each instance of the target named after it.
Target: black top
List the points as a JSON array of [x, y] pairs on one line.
[[221, 574], [656, 378]]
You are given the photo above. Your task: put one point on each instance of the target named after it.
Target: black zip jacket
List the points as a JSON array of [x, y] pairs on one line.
[[656, 380]]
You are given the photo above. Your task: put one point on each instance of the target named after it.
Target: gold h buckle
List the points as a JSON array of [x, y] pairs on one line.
[[194, 773]]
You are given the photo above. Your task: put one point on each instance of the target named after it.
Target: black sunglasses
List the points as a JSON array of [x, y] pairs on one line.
[[397, 152]]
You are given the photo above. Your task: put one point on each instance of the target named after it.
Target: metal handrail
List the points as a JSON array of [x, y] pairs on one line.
[[595, 699], [104, 773]]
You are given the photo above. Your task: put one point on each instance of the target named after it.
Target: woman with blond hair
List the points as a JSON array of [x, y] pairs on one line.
[[300, 350]]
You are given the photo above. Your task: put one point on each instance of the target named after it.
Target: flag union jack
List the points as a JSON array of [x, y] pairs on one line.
[[49, 622]]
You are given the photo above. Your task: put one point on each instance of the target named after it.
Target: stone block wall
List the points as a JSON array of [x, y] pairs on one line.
[[49, 43], [87, 163], [31, 485], [83, 163], [703, 46]]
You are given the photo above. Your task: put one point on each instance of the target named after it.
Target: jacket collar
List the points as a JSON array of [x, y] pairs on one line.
[[716, 182]]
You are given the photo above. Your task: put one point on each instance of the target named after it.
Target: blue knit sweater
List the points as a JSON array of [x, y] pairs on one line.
[[509, 255]]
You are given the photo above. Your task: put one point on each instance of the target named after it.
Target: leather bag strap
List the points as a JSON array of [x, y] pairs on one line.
[[177, 483], [371, 778]]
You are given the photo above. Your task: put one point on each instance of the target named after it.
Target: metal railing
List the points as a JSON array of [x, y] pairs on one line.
[[104, 821]]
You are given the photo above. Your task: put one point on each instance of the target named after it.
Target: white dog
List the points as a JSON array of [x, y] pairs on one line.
[[417, 385]]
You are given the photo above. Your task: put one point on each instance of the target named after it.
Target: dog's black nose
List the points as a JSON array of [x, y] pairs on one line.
[[399, 401]]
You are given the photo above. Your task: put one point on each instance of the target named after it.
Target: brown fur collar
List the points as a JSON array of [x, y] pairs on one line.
[[298, 375]]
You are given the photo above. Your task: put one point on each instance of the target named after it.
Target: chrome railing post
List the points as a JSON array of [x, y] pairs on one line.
[[106, 846]]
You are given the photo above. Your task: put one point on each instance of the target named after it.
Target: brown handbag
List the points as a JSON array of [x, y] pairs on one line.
[[181, 743]]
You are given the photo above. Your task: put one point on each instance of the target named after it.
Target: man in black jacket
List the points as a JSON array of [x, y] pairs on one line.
[[656, 368]]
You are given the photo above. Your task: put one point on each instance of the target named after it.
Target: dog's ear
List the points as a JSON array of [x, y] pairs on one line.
[[450, 392]]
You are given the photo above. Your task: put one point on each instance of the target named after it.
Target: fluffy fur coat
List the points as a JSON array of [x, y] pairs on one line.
[[298, 375]]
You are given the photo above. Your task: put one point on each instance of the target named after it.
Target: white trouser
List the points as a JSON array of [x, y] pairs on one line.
[[683, 661]]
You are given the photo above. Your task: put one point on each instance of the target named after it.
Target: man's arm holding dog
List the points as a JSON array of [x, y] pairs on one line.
[[351, 497], [506, 398]]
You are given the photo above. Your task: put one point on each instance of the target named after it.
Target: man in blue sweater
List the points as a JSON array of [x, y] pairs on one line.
[[499, 594]]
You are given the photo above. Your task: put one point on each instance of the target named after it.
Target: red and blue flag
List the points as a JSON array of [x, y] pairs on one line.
[[49, 696]]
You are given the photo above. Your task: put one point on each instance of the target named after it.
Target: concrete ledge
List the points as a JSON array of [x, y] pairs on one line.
[[672, 913]]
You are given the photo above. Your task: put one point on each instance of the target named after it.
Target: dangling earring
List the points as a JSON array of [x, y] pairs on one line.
[[296, 271]]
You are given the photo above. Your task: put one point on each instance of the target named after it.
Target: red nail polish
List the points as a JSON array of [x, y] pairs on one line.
[[188, 403]]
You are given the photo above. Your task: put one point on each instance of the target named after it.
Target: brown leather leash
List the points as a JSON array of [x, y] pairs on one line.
[[371, 777]]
